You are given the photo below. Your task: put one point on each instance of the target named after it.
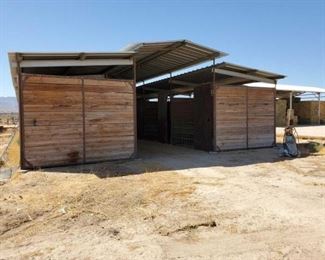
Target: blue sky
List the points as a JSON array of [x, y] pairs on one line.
[[287, 37]]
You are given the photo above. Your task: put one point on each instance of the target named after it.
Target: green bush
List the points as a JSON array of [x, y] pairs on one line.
[[314, 147]]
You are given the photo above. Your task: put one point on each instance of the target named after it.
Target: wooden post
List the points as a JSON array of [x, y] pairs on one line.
[[21, 114], [83, 121], [214, 107], [171, 97], [162, 117], [274, 114], [135, 108], [290, 110]]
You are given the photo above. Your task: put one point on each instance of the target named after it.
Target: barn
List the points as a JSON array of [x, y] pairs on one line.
[[210, 109], [90, 107]]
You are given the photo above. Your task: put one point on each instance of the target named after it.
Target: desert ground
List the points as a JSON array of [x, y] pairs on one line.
[[170, 203]]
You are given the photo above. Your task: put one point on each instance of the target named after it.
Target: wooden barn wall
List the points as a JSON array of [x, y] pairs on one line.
[[181, 121], [244, 117], [231, 125], [109, 131], [261, 117], [148, 124], [73, 120]]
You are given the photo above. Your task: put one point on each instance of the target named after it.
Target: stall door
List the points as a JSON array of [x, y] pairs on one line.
[[74, 120], [260, 117], [109, 119], [231, 123], [52, 121]]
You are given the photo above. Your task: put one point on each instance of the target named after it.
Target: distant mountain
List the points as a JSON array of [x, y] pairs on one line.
[[8, 105]]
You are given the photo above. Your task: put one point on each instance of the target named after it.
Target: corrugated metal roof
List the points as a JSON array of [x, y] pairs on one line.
[[249, 70], [60, 58], [226, 73], [289, 88], [154, 59]]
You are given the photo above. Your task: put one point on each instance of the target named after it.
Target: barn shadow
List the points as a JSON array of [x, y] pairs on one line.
[[156, 157]]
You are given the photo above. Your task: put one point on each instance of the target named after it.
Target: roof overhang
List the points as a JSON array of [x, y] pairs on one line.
[[66, 63], [152, 59], [225, 74], [155, 59], [298, 90], [246, 73]]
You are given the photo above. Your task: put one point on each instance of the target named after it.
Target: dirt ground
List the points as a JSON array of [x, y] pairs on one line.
[[171, 203]]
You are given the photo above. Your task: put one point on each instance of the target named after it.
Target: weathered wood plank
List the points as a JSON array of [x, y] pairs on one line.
[[231, 127], [46, 79], [109, 119], [260, 117]]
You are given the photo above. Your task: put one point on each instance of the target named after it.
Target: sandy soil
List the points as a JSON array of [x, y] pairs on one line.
[[173, 203]]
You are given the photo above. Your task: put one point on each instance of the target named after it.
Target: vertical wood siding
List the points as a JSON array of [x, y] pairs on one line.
[[244, 117], [230, 118], [260, 117], [54, 129], [109, 119], [53, 121]]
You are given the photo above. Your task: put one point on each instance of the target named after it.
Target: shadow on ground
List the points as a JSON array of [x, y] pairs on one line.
[[155, 157]]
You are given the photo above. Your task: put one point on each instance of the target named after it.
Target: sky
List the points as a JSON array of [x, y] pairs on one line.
[[286, 37]]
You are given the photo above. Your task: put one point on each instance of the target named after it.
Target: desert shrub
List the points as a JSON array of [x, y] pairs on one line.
[[314, 147]]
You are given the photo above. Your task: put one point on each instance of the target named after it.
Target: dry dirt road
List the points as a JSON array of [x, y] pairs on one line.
[[173, 203]]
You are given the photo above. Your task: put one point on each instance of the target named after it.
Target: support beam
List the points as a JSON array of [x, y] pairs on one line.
[[162, 117], [230, 81], [214, 108], [242, 75], [155, 55], [183, 83], [70, 63], [135, 152], [147, 96], [153, 89], [82, 56]]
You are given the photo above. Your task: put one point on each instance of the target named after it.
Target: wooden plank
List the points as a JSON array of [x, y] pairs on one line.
[[108, 83], [260, 117], [109, 119], [46, 79], [53, 125], [231, 117], [30, 86]]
